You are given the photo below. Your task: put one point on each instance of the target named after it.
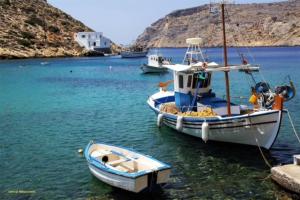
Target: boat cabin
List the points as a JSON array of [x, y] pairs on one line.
[[192, 83], [158, 60]]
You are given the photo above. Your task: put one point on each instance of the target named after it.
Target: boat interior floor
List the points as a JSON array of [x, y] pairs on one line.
[[119, 161]]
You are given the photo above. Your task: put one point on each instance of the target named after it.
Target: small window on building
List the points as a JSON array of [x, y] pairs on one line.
[[180, 80], [83, 36], [94, 44], [189, 82]]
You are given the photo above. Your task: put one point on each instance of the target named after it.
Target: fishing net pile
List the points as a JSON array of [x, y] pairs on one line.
[[172, 109]]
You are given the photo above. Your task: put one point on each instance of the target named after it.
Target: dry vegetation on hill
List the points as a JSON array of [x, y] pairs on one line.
[[268, 24]]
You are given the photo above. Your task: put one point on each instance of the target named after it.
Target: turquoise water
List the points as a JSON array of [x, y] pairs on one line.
[[49, 108]]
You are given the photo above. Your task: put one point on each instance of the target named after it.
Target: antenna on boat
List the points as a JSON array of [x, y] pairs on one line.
[[194, 52], [213, 8]]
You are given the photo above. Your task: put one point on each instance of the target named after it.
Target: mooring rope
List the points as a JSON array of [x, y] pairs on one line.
[[260, 150], [291, 121], [262, 154]]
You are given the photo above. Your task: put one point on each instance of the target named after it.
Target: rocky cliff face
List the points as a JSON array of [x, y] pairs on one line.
[[33, 28], [270, 24]]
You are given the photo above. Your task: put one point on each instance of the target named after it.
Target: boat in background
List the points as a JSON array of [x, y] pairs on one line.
[[124, 168], [156, 64], [194, 109], [134, 52]]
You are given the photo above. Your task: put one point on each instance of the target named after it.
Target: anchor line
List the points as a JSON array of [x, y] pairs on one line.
[[260, 150], [291, 121], [262, 154]]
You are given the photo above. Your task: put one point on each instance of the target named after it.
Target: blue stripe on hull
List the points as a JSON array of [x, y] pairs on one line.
[[211, 125]]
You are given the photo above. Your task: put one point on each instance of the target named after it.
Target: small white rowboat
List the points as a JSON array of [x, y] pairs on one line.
[[125, 169]]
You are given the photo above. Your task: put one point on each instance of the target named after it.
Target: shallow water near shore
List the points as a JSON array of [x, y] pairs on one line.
[[49, 108]]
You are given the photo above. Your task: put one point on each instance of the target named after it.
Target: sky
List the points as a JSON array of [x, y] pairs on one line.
[[123, 20]]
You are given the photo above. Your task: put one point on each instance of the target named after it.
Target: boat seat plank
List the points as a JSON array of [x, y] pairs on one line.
[[99, 153], [128, 166], [122, 169], [116, 162]]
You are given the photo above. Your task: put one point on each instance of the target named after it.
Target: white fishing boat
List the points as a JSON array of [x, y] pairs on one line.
[[194, 109], [134, 52], [156, 64], [124, 168]]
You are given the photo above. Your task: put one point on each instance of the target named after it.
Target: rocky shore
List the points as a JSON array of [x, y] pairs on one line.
[[33, 28]]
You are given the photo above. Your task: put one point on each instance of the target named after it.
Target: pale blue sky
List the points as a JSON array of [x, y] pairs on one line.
[[123, 20]]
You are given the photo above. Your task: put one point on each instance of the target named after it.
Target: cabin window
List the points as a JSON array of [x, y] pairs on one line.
[[104, 43], [206, 82], [203, 82], [189, 82], [195, 78], [83, 36], [180, 80]]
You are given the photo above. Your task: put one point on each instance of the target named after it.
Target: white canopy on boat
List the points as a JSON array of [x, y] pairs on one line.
[[196, 67], [194, 41], [210, 67]]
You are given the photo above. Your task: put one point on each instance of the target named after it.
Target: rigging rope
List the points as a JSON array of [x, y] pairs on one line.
[[291, 121], [247, 48]]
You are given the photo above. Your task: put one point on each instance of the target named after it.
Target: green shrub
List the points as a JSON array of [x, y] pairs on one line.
[[54, 29], [34, 21], [29, 10], [27, 35], [5, 2], [26, 43], [64, 23], [55, 45]]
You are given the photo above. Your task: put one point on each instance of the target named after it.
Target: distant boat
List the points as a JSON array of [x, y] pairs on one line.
[[125, 169], [155, 64], [133, 54]]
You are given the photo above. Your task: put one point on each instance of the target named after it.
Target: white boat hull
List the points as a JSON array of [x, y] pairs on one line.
[[259, 128], [153, 69]]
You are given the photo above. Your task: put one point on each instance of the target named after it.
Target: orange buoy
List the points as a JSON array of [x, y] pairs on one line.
[[253, 99], [278, 103], [164, 85]]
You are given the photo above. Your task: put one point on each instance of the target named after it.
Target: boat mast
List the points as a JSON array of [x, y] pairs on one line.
[[226, 62]]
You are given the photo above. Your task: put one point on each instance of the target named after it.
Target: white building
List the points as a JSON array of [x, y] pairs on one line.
[[94, 41]]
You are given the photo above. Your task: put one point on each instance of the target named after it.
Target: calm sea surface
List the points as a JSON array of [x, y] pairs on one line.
[[49, 108]]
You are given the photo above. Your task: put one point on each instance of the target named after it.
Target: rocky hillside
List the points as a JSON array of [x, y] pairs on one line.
[[269, 24], [33, 28]]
